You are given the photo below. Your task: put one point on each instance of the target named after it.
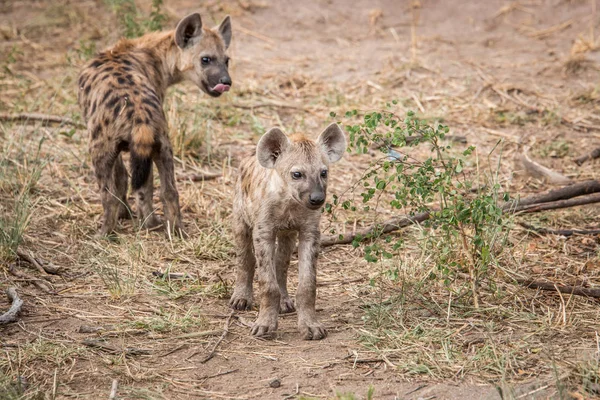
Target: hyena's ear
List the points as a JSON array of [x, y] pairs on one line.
[[271, 146], [225, 31], [187, 29], [333, 142]]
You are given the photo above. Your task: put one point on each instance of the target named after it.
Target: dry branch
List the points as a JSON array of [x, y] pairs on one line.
[[40, 117], [554, 199], [575, 290], [39, 264], [171, 276], [590, 156], [37, 282], [539, 171], [200, 177], [388, 226], [100, 345], [214, 349], [113, 390], [15, 308], [561, 232], [567, 192]]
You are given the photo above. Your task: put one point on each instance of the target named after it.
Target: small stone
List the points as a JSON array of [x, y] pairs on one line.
[[275, 383]]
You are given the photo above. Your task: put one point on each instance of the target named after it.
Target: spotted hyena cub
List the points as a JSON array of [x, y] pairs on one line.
[[121, 93], [278, 197]]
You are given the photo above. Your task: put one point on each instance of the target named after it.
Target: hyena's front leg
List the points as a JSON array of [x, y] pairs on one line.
[[308, 251], [168, 189], [285, 247], [120, 177], [264, 249], [242, 293]]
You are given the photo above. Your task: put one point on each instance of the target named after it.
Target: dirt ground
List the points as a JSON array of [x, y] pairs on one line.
[[524, 72]]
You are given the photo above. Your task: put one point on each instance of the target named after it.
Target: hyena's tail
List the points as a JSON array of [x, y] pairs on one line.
[[141, 155]]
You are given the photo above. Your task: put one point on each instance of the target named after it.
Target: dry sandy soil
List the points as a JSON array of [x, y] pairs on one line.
[[524, 72]]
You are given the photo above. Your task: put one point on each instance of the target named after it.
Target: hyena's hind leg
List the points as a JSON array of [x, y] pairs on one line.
[[285, 247], [143, 196], [104, 163], [163, 159], [121, 182], [246, 264]]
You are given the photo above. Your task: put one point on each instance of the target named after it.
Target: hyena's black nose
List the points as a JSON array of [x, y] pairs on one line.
[[225, 80], [316, 199]]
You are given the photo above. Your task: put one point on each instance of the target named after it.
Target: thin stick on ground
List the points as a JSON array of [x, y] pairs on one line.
[[41, 117], [113, 390], [589, 156], [40, 284], [40, 265], [575, 290], [567, 192], [15, 307], [561, 232], [214, 349]]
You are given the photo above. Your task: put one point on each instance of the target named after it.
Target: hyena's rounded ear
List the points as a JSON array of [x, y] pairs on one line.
[[333, 142], [187, 29], [271, 146], [224, 30]]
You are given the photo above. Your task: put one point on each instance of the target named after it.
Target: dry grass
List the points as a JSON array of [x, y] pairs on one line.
[[392, 314]]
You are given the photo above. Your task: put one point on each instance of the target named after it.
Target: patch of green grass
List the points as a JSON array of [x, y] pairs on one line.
[[170, 322], [555, 149], [132, 23]]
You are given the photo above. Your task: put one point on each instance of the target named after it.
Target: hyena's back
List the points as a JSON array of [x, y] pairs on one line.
[[124, 110]]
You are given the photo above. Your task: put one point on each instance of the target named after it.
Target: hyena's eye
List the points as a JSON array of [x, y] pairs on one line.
[[206, 60], [227, 62], [324, 173], [296, 175]]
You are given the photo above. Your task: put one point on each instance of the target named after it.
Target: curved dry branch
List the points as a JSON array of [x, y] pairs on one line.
[[15, 308]]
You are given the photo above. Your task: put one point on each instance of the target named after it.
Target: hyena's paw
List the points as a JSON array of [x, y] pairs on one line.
[[265, 326], [286, 305], [240, 302], [125, 212], [312, 330]]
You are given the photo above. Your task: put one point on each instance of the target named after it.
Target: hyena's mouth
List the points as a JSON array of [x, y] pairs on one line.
[[217, 90]]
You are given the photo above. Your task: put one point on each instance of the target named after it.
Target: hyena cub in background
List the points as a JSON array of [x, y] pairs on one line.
[[278, 197], [121, 94]]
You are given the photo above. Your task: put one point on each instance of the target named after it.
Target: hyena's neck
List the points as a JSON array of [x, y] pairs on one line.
[[163, 51]]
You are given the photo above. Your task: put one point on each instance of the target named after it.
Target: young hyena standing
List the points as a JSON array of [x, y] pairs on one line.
[[278, 197], [121, 93]]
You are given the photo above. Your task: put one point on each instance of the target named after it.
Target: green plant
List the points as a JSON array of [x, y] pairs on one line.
[[132, 23], [20, 175], [465, 225]]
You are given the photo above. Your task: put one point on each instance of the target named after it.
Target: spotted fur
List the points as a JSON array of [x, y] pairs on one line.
[[279, 193], [121, 95]]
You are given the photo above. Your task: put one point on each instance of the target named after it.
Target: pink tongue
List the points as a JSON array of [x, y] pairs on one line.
[[221, 88]]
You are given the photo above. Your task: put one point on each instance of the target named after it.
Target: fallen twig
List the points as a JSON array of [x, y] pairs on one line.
[[214, 349], [561, 232], [200, 177], [100, 345], [575, 290], [388, 226], [554, 199], [164, 275], [37, 282], [15, 307], [113, 390], [40, 265], [539, 171], [589, 156], [553, 205], [205, 378], [40, 117]]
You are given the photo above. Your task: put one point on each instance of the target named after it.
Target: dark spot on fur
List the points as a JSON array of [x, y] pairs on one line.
[[136, 92], [96, 132], [93, 108], [108, 92], [151, 102], [123, 146], [121, 81], [138, 121], [86, 90], [112, 103], [130, 113], [96, 64], [105, 77], [116, 112], [106, 122]]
